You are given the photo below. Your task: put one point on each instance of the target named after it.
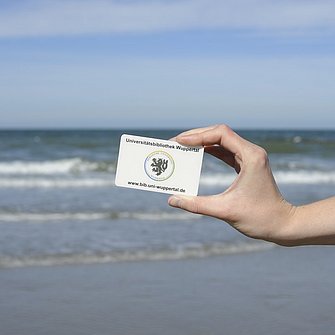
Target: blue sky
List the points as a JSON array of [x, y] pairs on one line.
[[185, 63]]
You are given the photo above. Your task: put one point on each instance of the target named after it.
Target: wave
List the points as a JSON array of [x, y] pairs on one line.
[[176, 253], [304, 177], [91, 216], [282, 177], [61, 166], [55, 182], [216, 179]]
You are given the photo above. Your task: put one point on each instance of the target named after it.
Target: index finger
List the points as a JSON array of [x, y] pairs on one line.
[[192, 131], [222, 135]]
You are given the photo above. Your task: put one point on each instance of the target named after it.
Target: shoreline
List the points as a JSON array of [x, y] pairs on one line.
[[275, 291]]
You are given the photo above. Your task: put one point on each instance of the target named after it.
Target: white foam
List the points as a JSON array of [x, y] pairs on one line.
[[46, 217], [304, 177], [179, 252], [282, 177], [61, 166], [147, 216], [26, 217], [217, 179], [55, 182]]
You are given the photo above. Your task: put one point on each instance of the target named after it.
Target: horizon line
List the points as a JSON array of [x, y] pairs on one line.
[[157, 128]]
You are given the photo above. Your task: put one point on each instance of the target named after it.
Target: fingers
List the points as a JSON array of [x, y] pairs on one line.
[[221, 135], [222, 154], [196, 130], [206, 205], [218, 140], [192, 131]]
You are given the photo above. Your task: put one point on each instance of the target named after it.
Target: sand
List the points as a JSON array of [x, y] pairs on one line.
[[276, 291]]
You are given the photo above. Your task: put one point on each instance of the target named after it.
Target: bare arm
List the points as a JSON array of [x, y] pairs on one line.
[[253, 204], [313, 224]]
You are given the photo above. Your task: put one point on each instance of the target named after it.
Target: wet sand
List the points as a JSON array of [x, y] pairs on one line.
[[276, 291]]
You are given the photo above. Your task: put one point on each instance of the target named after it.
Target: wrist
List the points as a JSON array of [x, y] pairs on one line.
[[284, 229]]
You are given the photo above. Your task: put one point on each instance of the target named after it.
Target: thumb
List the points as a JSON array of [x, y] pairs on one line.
[[207, 205]]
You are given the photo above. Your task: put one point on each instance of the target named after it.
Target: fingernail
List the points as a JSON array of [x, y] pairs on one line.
[[174, 201]]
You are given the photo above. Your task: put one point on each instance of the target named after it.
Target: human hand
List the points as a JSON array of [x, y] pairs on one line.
[[252, 204]]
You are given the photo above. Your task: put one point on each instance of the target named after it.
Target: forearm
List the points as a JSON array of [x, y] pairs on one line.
[[312, 224]]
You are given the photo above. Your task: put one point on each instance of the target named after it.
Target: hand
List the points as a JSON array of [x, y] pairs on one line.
[[252, 204]]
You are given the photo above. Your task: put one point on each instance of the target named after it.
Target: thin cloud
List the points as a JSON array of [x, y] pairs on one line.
[[80, 17]]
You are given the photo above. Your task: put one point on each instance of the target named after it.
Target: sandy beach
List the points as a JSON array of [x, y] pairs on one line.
[[91, 242], [276, 291], [80, 256]]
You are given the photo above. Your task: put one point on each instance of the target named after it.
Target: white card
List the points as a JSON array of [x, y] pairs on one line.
[[157, 165]]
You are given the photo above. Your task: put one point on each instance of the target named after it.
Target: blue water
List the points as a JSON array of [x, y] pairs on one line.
[[59, 204]]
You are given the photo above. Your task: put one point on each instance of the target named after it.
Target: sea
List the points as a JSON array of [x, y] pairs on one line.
[[59, 204]]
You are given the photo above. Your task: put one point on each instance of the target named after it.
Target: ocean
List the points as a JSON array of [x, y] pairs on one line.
[[59, 204]]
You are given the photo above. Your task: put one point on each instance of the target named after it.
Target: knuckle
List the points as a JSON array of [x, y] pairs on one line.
[[194, 206], [258, 156], [223, 128]]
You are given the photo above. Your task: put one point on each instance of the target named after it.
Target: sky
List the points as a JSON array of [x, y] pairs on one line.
[[167, 63]]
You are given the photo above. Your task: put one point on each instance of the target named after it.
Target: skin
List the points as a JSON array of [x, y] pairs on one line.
[[253, 203]]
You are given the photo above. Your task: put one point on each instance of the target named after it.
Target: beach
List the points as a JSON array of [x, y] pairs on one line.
[[277, 291], [95, 233], [79, 255]]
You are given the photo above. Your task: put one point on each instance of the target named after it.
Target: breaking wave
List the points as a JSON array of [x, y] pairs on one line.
[[80, 173], [56, 167], [218, 179], [82, 216], [55, 182], [282, 177], [176, 253]]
